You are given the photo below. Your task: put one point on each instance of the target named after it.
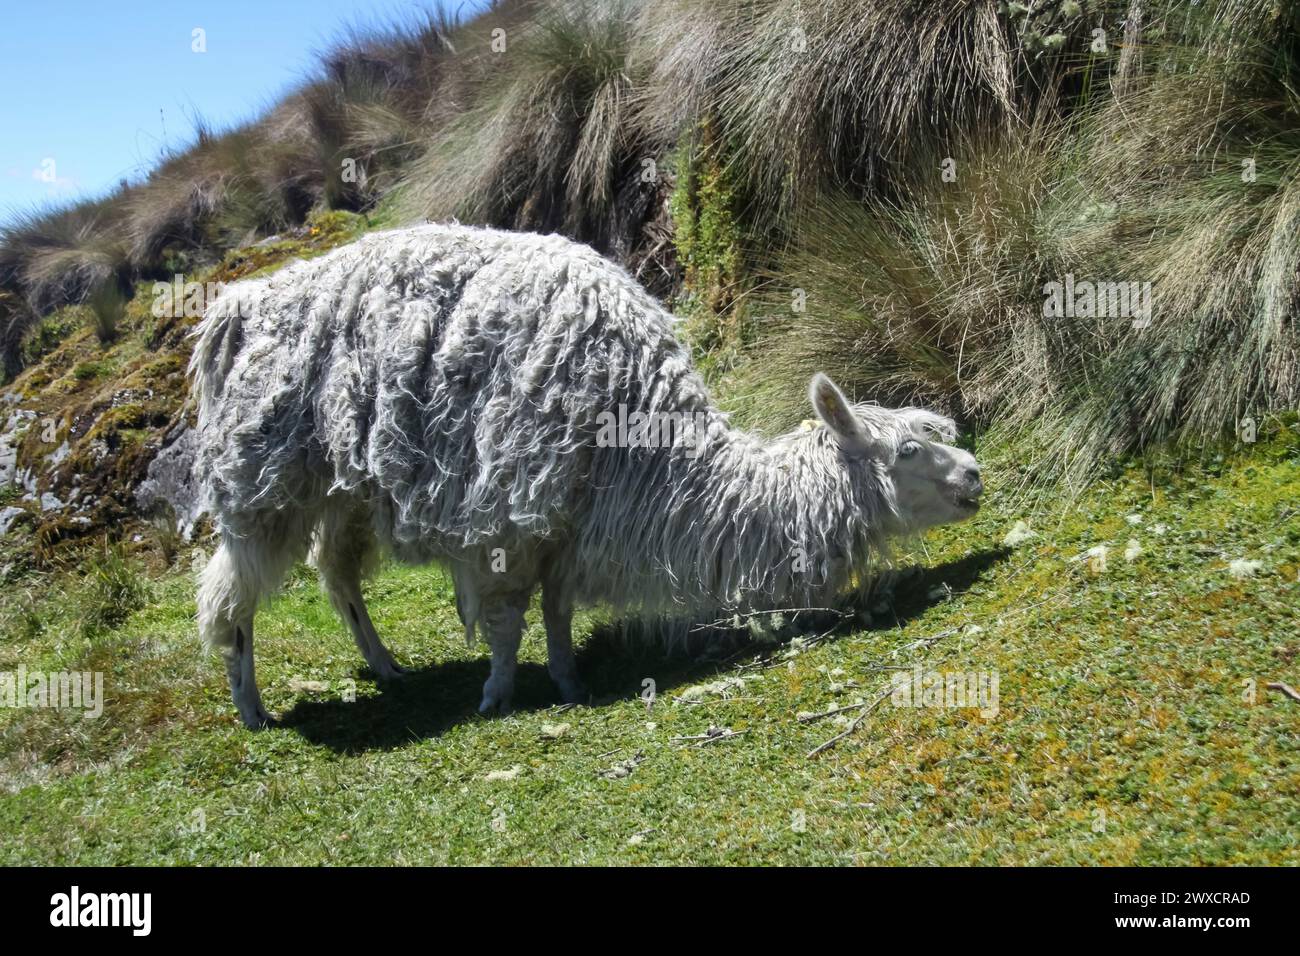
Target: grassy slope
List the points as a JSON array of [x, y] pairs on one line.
[[1120, 691]]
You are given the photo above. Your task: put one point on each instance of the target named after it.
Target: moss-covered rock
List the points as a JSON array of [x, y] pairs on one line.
[[102, 411]]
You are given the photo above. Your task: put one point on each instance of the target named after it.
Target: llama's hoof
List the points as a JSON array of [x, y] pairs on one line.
[[260, 720], [492, 705], [574, 692], [393, 671]]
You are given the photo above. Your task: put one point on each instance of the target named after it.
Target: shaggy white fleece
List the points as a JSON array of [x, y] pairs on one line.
[[439, 391]]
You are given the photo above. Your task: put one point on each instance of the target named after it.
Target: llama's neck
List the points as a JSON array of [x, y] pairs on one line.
[[739, 524]]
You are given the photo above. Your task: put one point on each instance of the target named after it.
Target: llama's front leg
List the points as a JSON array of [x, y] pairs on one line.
[[561, 664], [345, 594], [344, 545], [503, 625]]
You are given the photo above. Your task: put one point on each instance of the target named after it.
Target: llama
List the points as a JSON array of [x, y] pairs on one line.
[[444, 394]]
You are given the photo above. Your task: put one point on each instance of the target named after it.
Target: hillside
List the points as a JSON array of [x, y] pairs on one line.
[[1133, 724], [93, 448]]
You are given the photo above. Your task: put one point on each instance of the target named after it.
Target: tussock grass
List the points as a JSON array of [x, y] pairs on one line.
[[939, 298], [548, 140], [60, 258], [372, 104], [839, 92], [112, 588], [16, 322], [928, 303]]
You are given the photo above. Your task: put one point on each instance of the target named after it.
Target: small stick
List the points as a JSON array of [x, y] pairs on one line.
[[723, 736], [929, 641], [1286, 689], [857, 722], [809, 718], [796, 611], [708, 738]]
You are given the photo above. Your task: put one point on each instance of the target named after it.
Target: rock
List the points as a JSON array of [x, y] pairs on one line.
[[308, 686], [1019, 534], [7, 517], [170, 482], [57, 457], [14, 428]]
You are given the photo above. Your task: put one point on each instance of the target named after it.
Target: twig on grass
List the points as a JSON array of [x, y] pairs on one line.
[[928, 642], [794, 611], [709, 703], [809, 718], [857, 722], [1286, 689], [712, 735]]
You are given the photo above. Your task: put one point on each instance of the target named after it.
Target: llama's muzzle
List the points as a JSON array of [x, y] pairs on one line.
[[968, 497]]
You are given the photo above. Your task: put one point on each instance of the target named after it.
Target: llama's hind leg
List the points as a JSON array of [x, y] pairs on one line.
[[242, 677], [342, 553], [502, 621], [561, 664], [232, 583]]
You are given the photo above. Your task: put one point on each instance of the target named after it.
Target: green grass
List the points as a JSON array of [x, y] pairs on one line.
[[1124, 734]]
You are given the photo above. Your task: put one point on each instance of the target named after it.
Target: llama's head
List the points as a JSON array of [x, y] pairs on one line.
[[931, 482]]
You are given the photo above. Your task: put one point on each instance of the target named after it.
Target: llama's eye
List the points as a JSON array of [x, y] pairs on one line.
[[908, 449]]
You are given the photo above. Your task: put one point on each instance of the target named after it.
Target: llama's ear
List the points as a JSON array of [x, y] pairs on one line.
[[833, 408]]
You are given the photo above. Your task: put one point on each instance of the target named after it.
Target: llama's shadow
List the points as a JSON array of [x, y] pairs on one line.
[[615, 661]]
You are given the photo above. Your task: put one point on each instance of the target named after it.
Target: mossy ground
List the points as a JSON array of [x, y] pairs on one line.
[[1133, 724]]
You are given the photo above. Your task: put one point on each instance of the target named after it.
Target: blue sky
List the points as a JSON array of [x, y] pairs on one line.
[[101, 88]]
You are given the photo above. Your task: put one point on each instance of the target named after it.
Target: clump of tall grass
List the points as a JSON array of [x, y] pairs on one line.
[[49, 260], [842, 93], [173, 207], [16, 321], [1189, 182], [111, 589], [547, 138], [58, 258], [935, 301], [378, 97]]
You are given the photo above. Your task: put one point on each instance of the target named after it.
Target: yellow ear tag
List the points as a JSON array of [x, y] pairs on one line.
[[808, 424]]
